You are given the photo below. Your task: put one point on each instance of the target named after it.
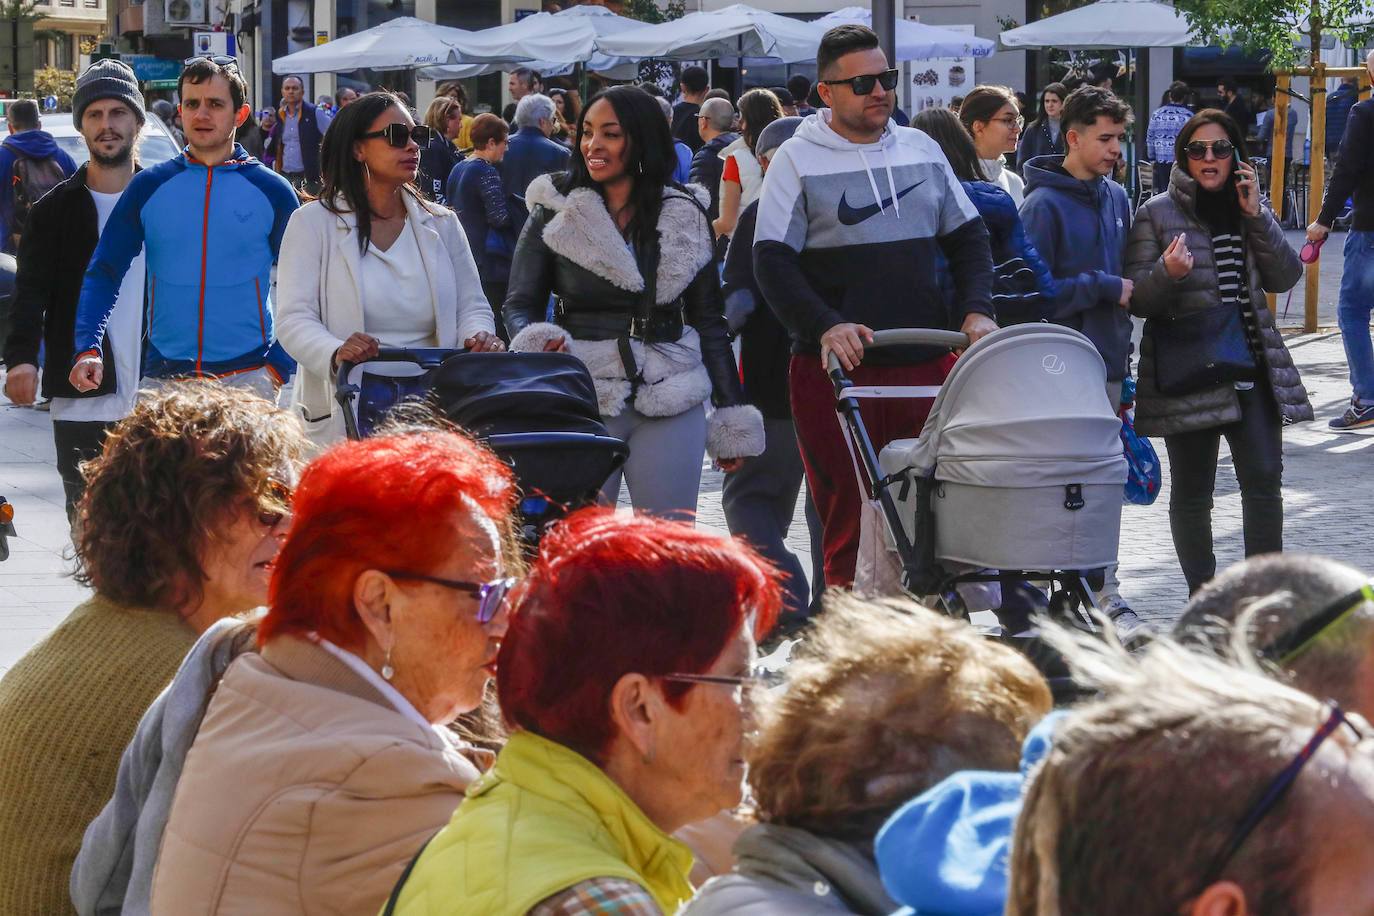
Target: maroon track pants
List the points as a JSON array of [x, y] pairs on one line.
[[829, 467]]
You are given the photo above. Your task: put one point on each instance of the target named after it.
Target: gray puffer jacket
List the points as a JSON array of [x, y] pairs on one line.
[[792, 871], [1272, 267]]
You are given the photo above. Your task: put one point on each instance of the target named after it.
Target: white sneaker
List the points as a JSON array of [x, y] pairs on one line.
[[1133, 632]]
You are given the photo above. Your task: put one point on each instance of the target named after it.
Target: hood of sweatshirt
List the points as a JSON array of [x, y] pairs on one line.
[[816, 129], [37, 144], [945, 852], [1046, 171]]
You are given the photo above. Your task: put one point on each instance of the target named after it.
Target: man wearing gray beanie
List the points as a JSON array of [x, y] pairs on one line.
[[107, 79], [60, 236]]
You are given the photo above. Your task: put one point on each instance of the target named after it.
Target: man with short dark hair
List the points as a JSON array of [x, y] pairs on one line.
[[63, 229], [31, 164], [212, 220], [1078, 219], [295, 139], [694, 83], [344, 96], [1165, 124], [714, 121], [800, 87], [853, 219], [1234, 104]]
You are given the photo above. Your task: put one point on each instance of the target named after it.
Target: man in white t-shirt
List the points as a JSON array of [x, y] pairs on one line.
[[62, 231]]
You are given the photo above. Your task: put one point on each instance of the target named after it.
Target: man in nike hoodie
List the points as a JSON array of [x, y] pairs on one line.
[[851, 216], [1078, 219]]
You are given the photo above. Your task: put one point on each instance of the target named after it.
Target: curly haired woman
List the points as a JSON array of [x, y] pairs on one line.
[[183, 515]]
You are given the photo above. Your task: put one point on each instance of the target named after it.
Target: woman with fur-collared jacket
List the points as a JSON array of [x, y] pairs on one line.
[[628, 254]]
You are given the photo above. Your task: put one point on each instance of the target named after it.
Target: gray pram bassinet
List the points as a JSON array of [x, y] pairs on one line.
[[1025, 452]]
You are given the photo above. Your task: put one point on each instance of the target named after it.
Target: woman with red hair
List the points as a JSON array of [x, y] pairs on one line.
[[322, 763], [623, 675]]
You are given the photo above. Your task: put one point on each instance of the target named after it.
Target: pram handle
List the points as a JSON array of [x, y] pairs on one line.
[[905, 337], [424, 357]]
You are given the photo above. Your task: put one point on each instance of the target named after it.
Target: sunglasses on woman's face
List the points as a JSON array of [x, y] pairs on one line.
[[1197, 150], [398, 135], [863, 85]]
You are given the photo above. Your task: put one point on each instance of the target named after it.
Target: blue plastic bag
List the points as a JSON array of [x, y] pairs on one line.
[[1144, 476]]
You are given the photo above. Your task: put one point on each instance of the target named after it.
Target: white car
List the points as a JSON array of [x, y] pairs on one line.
[[155, 143]]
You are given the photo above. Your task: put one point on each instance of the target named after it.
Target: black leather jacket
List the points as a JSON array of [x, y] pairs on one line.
[[594, 308]]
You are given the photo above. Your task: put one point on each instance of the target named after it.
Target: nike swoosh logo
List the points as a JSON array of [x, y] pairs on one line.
[[852, 216]]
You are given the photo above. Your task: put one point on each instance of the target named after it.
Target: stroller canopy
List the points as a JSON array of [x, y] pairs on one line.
[[1025, 406]]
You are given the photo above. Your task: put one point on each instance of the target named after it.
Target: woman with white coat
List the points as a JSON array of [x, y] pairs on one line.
[[370, 263]]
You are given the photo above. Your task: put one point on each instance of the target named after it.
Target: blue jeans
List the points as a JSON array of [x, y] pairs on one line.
[[1352, 312]]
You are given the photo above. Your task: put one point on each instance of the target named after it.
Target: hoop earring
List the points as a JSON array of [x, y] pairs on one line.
[[387, 670]]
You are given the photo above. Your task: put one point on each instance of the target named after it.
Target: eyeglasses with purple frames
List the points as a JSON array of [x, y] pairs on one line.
[[490, 595]]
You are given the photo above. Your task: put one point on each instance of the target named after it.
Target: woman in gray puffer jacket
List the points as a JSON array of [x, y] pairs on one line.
[[1208, 242]]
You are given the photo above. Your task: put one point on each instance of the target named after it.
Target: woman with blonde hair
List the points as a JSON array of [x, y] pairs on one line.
[[994, 120], [887, 699], [444, 118]]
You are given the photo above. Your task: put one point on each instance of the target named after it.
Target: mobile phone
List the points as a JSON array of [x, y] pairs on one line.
[[1235, 171]]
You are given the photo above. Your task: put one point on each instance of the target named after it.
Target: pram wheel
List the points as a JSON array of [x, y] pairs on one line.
[[1066, 605], [952, 604]]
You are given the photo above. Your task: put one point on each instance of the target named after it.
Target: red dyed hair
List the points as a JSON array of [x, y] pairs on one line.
[[376, 504], [614, 594]]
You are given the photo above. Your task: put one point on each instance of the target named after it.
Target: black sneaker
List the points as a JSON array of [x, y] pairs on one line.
[[1355, 417]]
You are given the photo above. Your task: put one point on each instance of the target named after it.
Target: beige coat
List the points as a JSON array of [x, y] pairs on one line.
[[305, 792], [319, 302]]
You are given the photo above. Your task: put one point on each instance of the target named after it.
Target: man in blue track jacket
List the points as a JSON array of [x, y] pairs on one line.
[[211, 221]]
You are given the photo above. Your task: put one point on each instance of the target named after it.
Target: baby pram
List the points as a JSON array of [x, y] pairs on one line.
[[537, 411], [1017, 474]]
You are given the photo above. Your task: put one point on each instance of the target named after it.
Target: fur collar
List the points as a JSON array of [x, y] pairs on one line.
[[582, 231]]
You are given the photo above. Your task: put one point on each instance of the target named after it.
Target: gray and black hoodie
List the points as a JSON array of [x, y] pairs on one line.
[[850, 232]]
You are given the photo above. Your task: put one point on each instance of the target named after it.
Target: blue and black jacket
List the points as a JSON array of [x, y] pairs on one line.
[[211, 234]]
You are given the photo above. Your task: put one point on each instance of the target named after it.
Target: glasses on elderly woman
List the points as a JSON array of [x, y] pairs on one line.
[[280, 494], [490, 595]]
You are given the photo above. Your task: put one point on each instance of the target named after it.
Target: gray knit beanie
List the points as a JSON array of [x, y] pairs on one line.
[[107, 79]]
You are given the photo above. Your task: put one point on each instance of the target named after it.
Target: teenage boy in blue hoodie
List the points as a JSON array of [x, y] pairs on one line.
[[1078, 219], [210, 223], [27, 142]]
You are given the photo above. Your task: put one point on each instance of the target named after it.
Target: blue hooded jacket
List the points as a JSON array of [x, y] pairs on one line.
[[212, 234], [35, 144], [946, 852], [1024, 286], [1080, 229]]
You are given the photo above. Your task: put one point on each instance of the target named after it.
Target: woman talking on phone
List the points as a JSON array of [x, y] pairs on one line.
[[1212, 363]]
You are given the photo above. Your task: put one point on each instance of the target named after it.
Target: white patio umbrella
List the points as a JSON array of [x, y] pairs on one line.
[[1106, 24], [399, 44], [916, 40], [724, 34], [549, 43]]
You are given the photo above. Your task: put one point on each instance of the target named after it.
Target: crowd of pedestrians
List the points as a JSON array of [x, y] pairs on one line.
[[428, 717]]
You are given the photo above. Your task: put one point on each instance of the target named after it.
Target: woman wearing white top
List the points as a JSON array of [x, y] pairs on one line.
[[742, 178], [993, 118], [371, 264]]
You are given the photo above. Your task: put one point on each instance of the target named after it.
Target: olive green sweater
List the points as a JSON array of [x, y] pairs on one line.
[[67, 710]]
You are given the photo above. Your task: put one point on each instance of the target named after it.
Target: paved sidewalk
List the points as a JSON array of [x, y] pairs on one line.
[[1325, 473]]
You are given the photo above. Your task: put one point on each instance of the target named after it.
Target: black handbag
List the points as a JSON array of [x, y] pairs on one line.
[[1201, 349]]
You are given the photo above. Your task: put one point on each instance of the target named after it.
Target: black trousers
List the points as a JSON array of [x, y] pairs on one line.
[[76, 441], [1256, 443], [496, 295]]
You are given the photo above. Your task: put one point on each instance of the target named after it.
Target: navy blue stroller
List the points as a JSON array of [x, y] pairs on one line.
[[537, 411]]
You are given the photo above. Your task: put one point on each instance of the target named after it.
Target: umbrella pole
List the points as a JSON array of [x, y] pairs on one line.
[[582, 83]]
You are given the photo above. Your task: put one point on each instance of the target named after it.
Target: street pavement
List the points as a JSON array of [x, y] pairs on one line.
[[1323, 477]]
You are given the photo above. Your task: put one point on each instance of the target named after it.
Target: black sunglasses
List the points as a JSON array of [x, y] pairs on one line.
[[1197, 150], [863, 85], [1273, 793], [490, 595], [219, 61], [398, 135]]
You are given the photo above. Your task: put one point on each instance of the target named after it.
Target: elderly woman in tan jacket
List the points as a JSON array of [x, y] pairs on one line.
[[323, 764]]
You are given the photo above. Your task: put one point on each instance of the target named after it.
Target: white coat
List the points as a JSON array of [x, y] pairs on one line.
[[319, 299]]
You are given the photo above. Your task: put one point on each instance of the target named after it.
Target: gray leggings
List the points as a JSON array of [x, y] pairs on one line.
[[664, 468]]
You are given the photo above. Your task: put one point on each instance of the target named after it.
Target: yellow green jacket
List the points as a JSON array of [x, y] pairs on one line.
[[541, 820]]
